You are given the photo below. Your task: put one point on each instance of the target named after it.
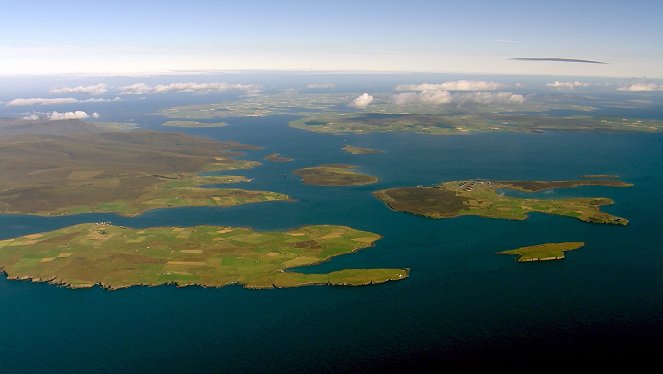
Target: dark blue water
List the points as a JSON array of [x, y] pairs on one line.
[[463, 306]]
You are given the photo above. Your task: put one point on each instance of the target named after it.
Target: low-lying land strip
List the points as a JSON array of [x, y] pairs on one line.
[[543, 252], [193, 124], [481, 198], [115, 257], [276, 157], [465, 122], [361, 151]]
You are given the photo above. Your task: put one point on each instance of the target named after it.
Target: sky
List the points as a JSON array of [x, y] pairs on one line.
[[474, 37]]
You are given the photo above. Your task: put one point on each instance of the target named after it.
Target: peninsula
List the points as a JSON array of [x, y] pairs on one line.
[[91, 168]]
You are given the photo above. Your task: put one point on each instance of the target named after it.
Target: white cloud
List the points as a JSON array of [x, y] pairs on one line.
[[433, 97], [79, 114], [501, 97], [362, 101], [568, 85], [437, 97], [32, 117], [142, 88], [57, 101], [321, 85], [95, 90], [41, 101], [461, 85], [641, 87]]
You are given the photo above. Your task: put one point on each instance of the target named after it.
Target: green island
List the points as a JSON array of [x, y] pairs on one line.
[[92, 169], [361, 151], [543, 252], [115, 257], [276, 157], [193, 124], [334, 175], [465, 122], [482, 198]]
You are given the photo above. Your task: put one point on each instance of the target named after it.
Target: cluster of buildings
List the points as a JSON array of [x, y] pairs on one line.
[[468, 186]]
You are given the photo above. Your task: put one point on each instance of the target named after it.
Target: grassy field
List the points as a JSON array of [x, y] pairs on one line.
[[480, 198], [361, 151], [334, 175], [116, 257], [193, 124], [543, 252]]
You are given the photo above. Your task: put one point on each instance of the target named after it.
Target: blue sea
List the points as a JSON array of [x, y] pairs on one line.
[[463, 306]]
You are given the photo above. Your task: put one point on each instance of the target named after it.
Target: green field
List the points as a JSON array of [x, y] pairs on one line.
[[115, 257], [334, 175], [543, 252], [481, 198]]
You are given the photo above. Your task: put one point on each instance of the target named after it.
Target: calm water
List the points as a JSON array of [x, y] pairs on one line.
[[462, 306]]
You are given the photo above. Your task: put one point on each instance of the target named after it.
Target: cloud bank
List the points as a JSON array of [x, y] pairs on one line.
[[461, 85], [59, 116], [362, 101], [568, 85], [437, 97], [94, 90], [142, 88], [56, 101], [641, 87]]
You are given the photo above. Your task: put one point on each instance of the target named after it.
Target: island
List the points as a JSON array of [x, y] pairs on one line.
[[334, 175], [361, 151], [115, 257], [193, 124], [543, 252], [94, 168], [482, 198], [276, 157], [465, 122]]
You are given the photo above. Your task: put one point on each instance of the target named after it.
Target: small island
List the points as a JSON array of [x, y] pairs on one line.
[[115, 257], [361, 151], [193, 124], [481, 198], [334, 175], [276, 157], [543, 252]]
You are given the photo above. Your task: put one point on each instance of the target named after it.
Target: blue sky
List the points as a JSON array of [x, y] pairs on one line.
[[40, 37]]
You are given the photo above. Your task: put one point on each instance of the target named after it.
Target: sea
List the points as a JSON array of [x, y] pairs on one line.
[[463, 306]]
